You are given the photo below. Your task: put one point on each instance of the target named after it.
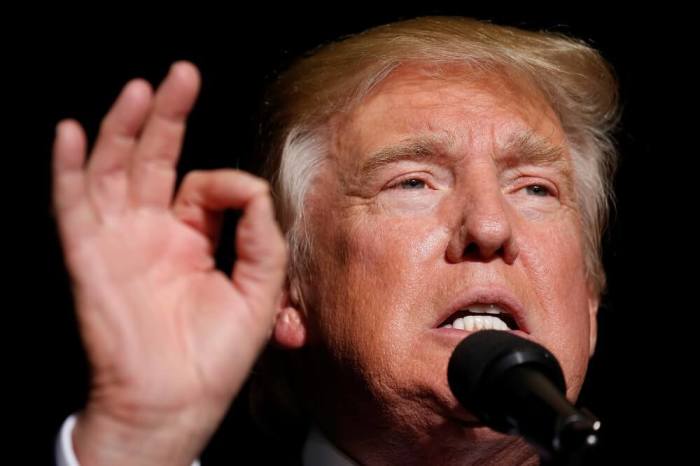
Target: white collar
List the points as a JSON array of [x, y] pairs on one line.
[[319, 451]]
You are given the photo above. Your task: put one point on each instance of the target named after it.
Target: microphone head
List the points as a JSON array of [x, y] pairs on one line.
[[479, 363]]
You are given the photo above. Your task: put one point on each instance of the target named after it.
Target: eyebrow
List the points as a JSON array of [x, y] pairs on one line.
[[419, 148], [529, 148], [523, 148]]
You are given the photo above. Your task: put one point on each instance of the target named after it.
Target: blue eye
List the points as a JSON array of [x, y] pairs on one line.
[[411, 183], [538, 190]]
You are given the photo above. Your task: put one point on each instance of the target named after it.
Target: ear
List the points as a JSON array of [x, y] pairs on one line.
[[593, 303], [290, 330]]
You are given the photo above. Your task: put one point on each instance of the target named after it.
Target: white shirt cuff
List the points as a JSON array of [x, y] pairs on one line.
[[65, 455]]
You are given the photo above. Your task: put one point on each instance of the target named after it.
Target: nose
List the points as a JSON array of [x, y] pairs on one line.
[[484, 229]]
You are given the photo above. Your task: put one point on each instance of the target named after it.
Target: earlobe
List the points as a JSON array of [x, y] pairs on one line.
[[593, 303], [290, 326]]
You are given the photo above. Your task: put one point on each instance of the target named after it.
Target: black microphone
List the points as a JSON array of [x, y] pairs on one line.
[[516, 386]]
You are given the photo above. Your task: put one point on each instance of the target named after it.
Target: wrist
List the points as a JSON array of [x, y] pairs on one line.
[[101, 439]]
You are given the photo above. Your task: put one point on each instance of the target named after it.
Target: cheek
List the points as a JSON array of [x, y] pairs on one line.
[[377, 283], [560, 285], [400, 243], [390, 266]]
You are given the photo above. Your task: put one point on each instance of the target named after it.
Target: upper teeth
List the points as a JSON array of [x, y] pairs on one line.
[[480, 322], [486, 309]]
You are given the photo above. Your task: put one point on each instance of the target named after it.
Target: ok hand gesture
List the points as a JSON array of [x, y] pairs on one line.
[[170, 339]]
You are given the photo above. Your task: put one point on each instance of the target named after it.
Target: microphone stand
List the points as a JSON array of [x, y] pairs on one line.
[[531, 398]]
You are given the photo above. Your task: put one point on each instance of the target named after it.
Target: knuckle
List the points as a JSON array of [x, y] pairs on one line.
[[107, 125], [110, 123]]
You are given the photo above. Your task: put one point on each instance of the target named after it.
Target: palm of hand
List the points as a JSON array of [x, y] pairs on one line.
[[159, 311]]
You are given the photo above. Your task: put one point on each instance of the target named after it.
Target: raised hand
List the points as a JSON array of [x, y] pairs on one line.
[[170, 339]]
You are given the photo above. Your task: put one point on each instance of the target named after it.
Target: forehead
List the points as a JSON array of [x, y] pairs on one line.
[[456, 103]]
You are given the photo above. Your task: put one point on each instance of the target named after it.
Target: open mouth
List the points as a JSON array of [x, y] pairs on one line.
[[481, 317]]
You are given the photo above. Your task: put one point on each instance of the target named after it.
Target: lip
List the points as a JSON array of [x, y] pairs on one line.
[[499, 296]]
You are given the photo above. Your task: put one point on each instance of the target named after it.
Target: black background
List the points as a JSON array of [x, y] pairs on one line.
[[638, 379]]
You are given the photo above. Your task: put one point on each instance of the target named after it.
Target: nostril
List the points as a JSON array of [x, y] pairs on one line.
[[471, 249]]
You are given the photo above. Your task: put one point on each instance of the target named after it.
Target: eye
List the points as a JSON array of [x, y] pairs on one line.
[[409, 184], [538, 190]]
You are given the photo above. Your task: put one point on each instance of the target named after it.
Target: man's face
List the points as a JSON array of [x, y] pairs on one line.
[[440, 193]]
